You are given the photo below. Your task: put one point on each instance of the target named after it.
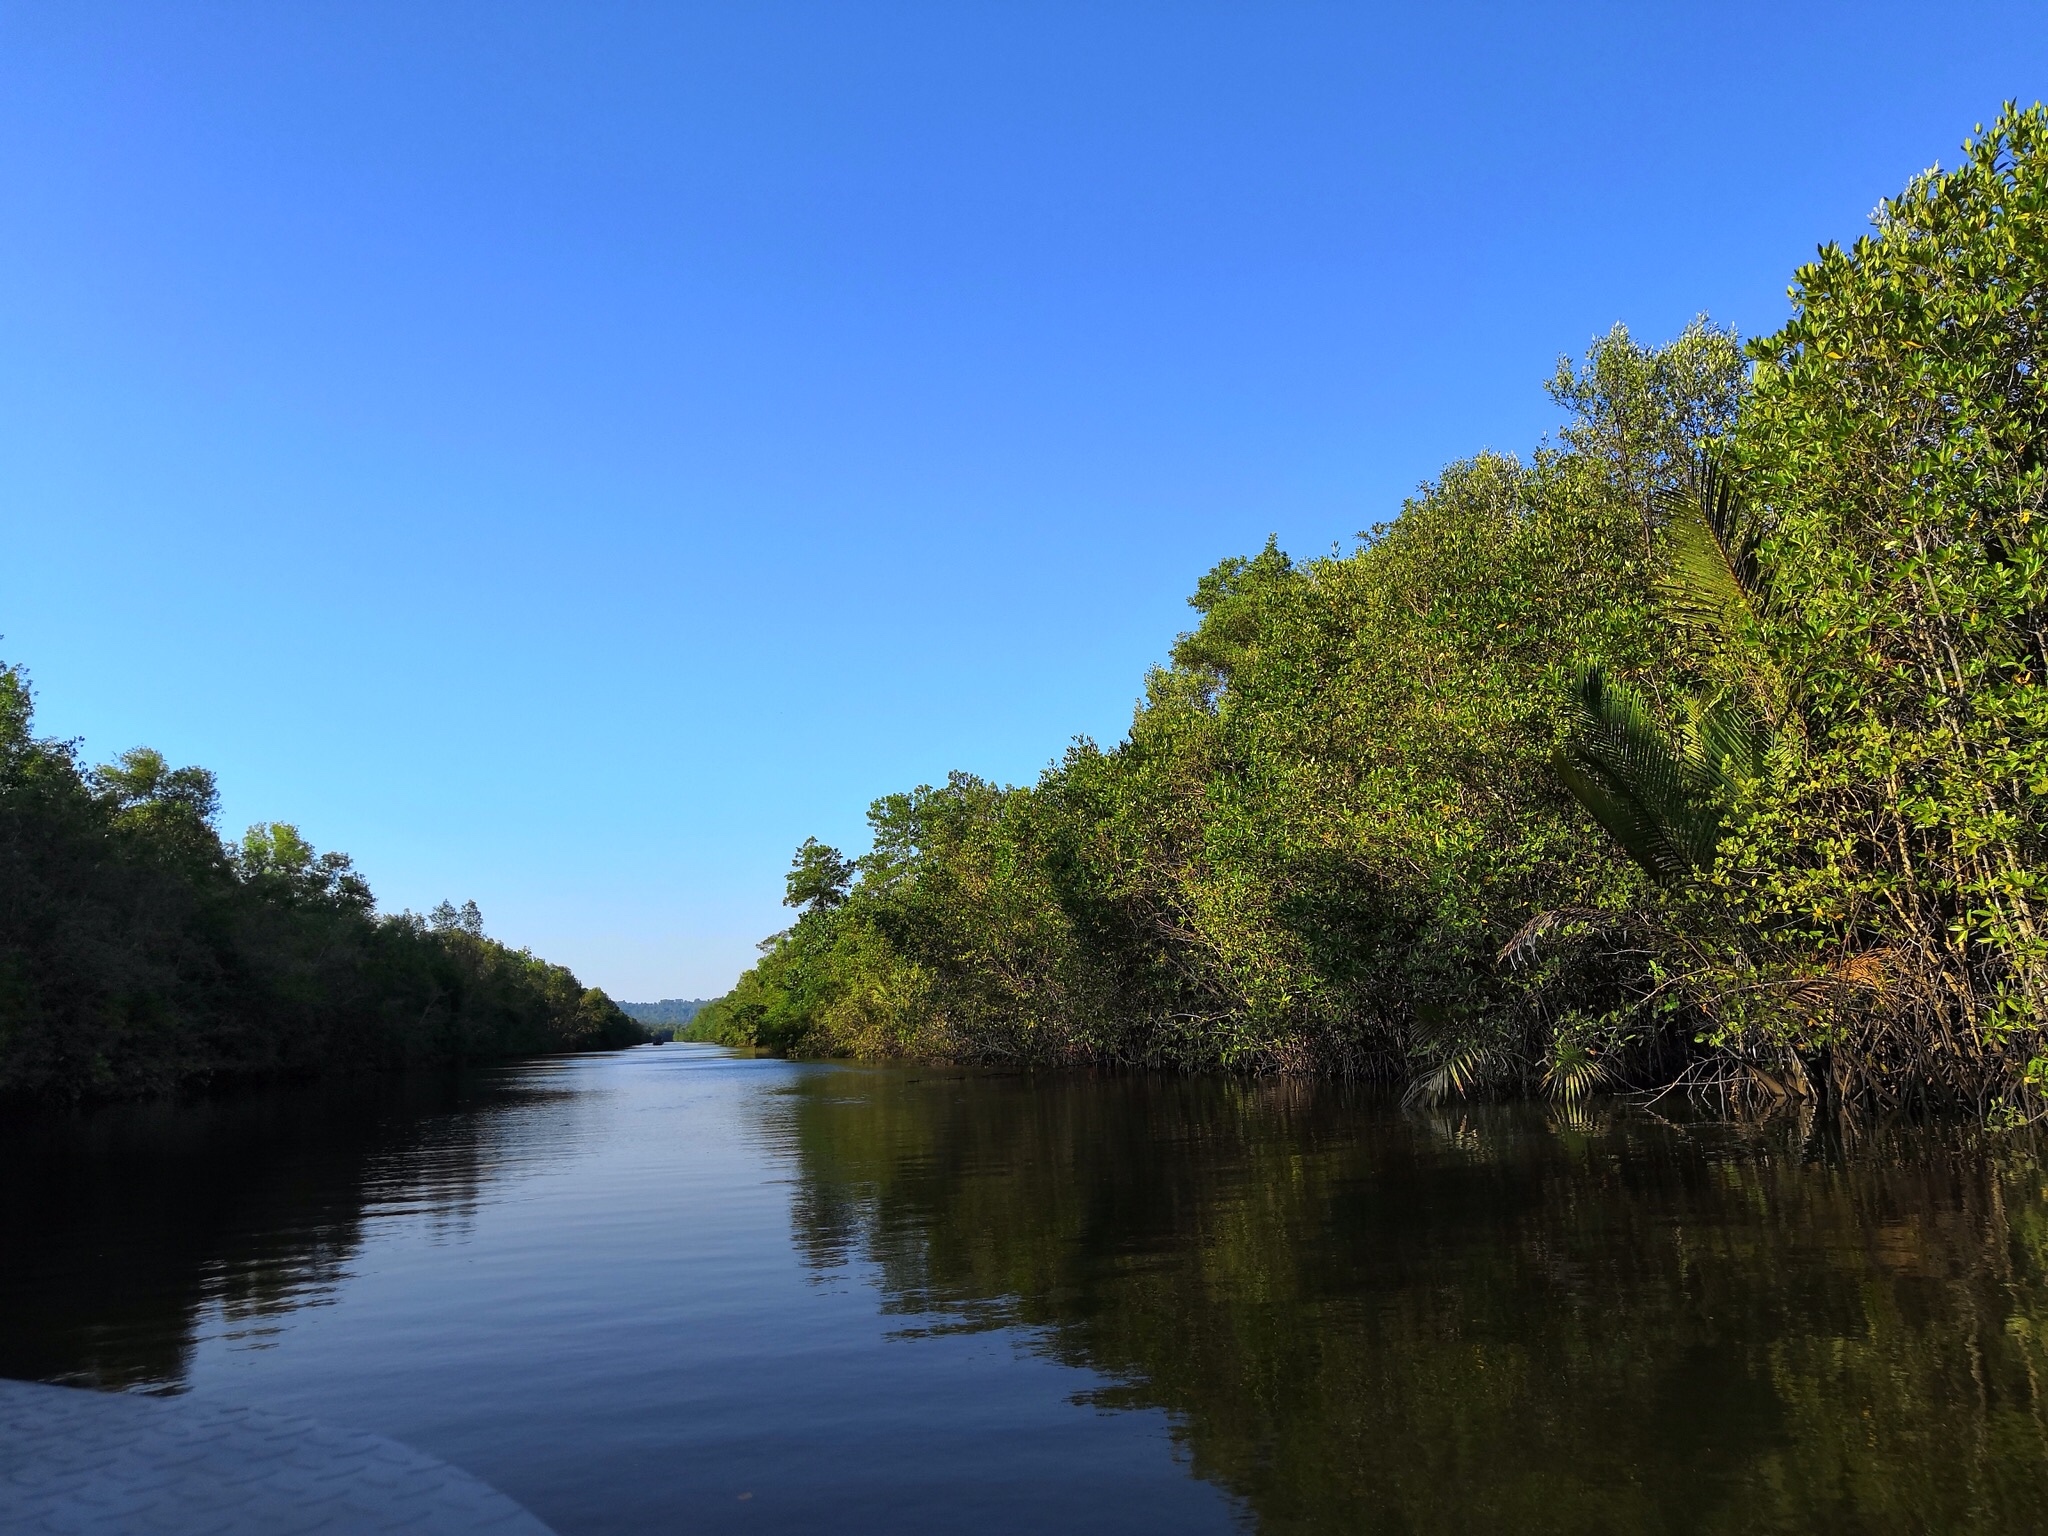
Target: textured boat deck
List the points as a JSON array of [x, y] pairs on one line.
[[105, 1464]]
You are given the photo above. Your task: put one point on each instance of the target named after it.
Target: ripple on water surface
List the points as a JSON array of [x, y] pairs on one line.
[[677, 1288]]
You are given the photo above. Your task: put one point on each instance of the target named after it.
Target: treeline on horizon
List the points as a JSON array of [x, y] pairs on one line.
[[669, 1013], [1703, 745], [140, 953]]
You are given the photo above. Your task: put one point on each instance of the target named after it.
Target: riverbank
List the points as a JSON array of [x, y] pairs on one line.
[[1705, 742], [143, 954]]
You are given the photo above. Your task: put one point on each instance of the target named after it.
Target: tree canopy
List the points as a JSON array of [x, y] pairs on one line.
[[141, 953], [1706, 740]]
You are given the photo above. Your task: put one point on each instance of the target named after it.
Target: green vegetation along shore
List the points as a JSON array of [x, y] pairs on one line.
[[139, 953], [1708, 743]]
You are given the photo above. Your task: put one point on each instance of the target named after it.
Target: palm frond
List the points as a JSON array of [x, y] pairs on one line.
[[1620, 737], [1627, 772], [1662, 794], [1573, 1071], [1625, 820], [1463, 1070], [1713, 578], [1728, 744]]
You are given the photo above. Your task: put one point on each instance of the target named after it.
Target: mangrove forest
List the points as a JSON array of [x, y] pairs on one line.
[[1706, 745], [141, 953]]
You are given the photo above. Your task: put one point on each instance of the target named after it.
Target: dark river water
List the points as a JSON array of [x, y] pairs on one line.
[[678, 1290]]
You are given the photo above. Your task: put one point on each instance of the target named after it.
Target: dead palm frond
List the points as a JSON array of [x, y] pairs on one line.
[[1531, 934]]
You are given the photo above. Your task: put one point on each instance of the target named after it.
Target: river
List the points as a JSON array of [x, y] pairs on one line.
[[679, 1289]]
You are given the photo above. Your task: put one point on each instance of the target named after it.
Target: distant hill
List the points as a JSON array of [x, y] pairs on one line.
[[672, 1011]]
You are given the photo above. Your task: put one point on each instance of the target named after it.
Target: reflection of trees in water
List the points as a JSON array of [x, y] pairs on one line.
[[123, 1229], [1360, 1319]]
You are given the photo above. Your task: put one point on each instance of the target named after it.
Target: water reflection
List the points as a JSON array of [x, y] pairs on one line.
[[1364, 1319], [576, 1280], [125, 1232]]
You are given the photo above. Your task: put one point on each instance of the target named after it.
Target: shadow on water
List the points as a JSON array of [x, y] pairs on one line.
[[1360, 1318], [124, 1230]]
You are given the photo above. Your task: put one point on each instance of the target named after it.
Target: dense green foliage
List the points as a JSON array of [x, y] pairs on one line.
[[140, 953], [1613, 762]]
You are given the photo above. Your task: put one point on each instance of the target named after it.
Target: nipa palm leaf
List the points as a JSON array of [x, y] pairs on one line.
[[1627, 772], [1712, 578]]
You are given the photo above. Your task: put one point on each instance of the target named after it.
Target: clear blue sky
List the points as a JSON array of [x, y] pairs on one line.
[[564, 455]]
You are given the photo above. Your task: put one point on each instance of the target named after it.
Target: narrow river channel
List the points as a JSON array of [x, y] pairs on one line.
[[680, 1290]]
